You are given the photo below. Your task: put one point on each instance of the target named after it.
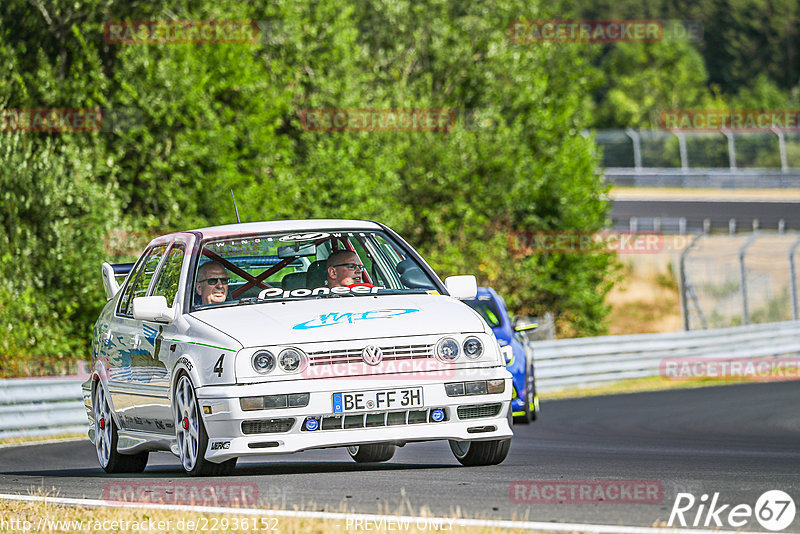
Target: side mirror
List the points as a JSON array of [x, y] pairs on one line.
[[109, 281], [153, 309], [522, 324], [462, 287]]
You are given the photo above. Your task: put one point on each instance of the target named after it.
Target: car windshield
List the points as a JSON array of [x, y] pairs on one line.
[[298, 265], [488, 310]]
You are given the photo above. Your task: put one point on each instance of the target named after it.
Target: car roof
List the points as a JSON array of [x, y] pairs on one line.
[[300, 225]]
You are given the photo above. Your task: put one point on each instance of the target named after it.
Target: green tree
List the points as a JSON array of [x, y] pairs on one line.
[[645, 79], [52, 223], [207, 118]]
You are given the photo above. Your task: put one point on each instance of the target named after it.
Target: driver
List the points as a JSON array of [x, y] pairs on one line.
[[343, 269], [212, 283]]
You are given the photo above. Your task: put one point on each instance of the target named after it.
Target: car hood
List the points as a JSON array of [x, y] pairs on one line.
[[350, 318]]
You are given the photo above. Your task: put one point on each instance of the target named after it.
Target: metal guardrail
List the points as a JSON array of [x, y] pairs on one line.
[[47, 406], [708, 178], [41, 407], [591, 361]]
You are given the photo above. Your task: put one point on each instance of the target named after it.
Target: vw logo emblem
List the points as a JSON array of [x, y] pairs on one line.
[[372, 355]]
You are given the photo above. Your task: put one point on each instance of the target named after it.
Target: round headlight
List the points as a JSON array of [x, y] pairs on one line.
[[447, 349], [473, 348], [263, 362], [290, 360]]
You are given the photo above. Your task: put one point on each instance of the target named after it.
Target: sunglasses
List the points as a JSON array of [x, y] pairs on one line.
[[351, 266], [214, 281]]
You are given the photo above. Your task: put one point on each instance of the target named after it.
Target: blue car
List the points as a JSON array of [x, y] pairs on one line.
[[519, 357]]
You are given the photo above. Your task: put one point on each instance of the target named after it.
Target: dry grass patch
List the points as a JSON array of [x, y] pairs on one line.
[[647, 299], [41, 439], [49, 517], [680, 193]]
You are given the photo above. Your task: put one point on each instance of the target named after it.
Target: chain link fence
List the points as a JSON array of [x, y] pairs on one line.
[[739, 280]]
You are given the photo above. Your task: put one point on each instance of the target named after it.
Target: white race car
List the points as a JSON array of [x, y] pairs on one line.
[[284, 336]]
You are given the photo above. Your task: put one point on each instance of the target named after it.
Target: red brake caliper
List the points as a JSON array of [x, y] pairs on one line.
[[102, 423], [186, 423]]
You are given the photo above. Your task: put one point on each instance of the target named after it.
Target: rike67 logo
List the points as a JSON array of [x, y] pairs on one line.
[[774, 510]]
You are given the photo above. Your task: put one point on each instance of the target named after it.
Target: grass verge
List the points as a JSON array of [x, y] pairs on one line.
[[39, 439], [52, 517]]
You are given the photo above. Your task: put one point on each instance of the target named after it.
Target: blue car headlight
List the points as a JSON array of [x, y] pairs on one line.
[[508, 354]]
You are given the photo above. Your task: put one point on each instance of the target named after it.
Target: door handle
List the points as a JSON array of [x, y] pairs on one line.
[[136, 341]]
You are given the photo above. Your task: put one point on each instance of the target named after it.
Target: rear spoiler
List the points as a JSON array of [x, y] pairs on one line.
[[114, 276]]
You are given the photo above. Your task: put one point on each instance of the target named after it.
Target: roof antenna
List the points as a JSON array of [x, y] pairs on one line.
[[235, 208]]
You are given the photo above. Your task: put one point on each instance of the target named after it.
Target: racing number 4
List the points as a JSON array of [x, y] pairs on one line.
[[218, 365]]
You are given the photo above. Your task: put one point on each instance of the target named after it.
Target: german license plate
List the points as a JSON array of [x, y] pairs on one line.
[[381, 399]]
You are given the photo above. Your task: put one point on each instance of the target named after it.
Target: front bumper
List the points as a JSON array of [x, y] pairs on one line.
[[482, 417]]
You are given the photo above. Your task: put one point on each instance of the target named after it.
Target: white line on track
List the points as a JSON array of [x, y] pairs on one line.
[[478, 523]]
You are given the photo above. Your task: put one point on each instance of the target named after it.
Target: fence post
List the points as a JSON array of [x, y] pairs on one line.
[[793, 278], [637, 148], [743, 275], [781, 148], [682, 280], [684, 152], [731, 148]]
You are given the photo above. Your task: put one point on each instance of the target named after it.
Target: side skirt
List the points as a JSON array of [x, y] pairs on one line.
[[131, 442]]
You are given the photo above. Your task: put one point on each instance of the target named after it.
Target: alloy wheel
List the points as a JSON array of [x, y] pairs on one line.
[[187, 423]]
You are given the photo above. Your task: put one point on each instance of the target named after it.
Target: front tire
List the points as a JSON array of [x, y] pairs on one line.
[[106, 437], [191, 434], [372, 452], [475, 453]]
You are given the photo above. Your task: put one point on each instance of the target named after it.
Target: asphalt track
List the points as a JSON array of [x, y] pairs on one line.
[[738, 440], [768, 213]]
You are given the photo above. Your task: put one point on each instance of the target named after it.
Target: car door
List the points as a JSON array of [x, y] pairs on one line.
[[112, 350], [131, 354], [158, 350]]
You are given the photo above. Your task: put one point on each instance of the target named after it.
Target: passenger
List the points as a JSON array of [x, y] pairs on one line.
[[344, 269], [212, 283]]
